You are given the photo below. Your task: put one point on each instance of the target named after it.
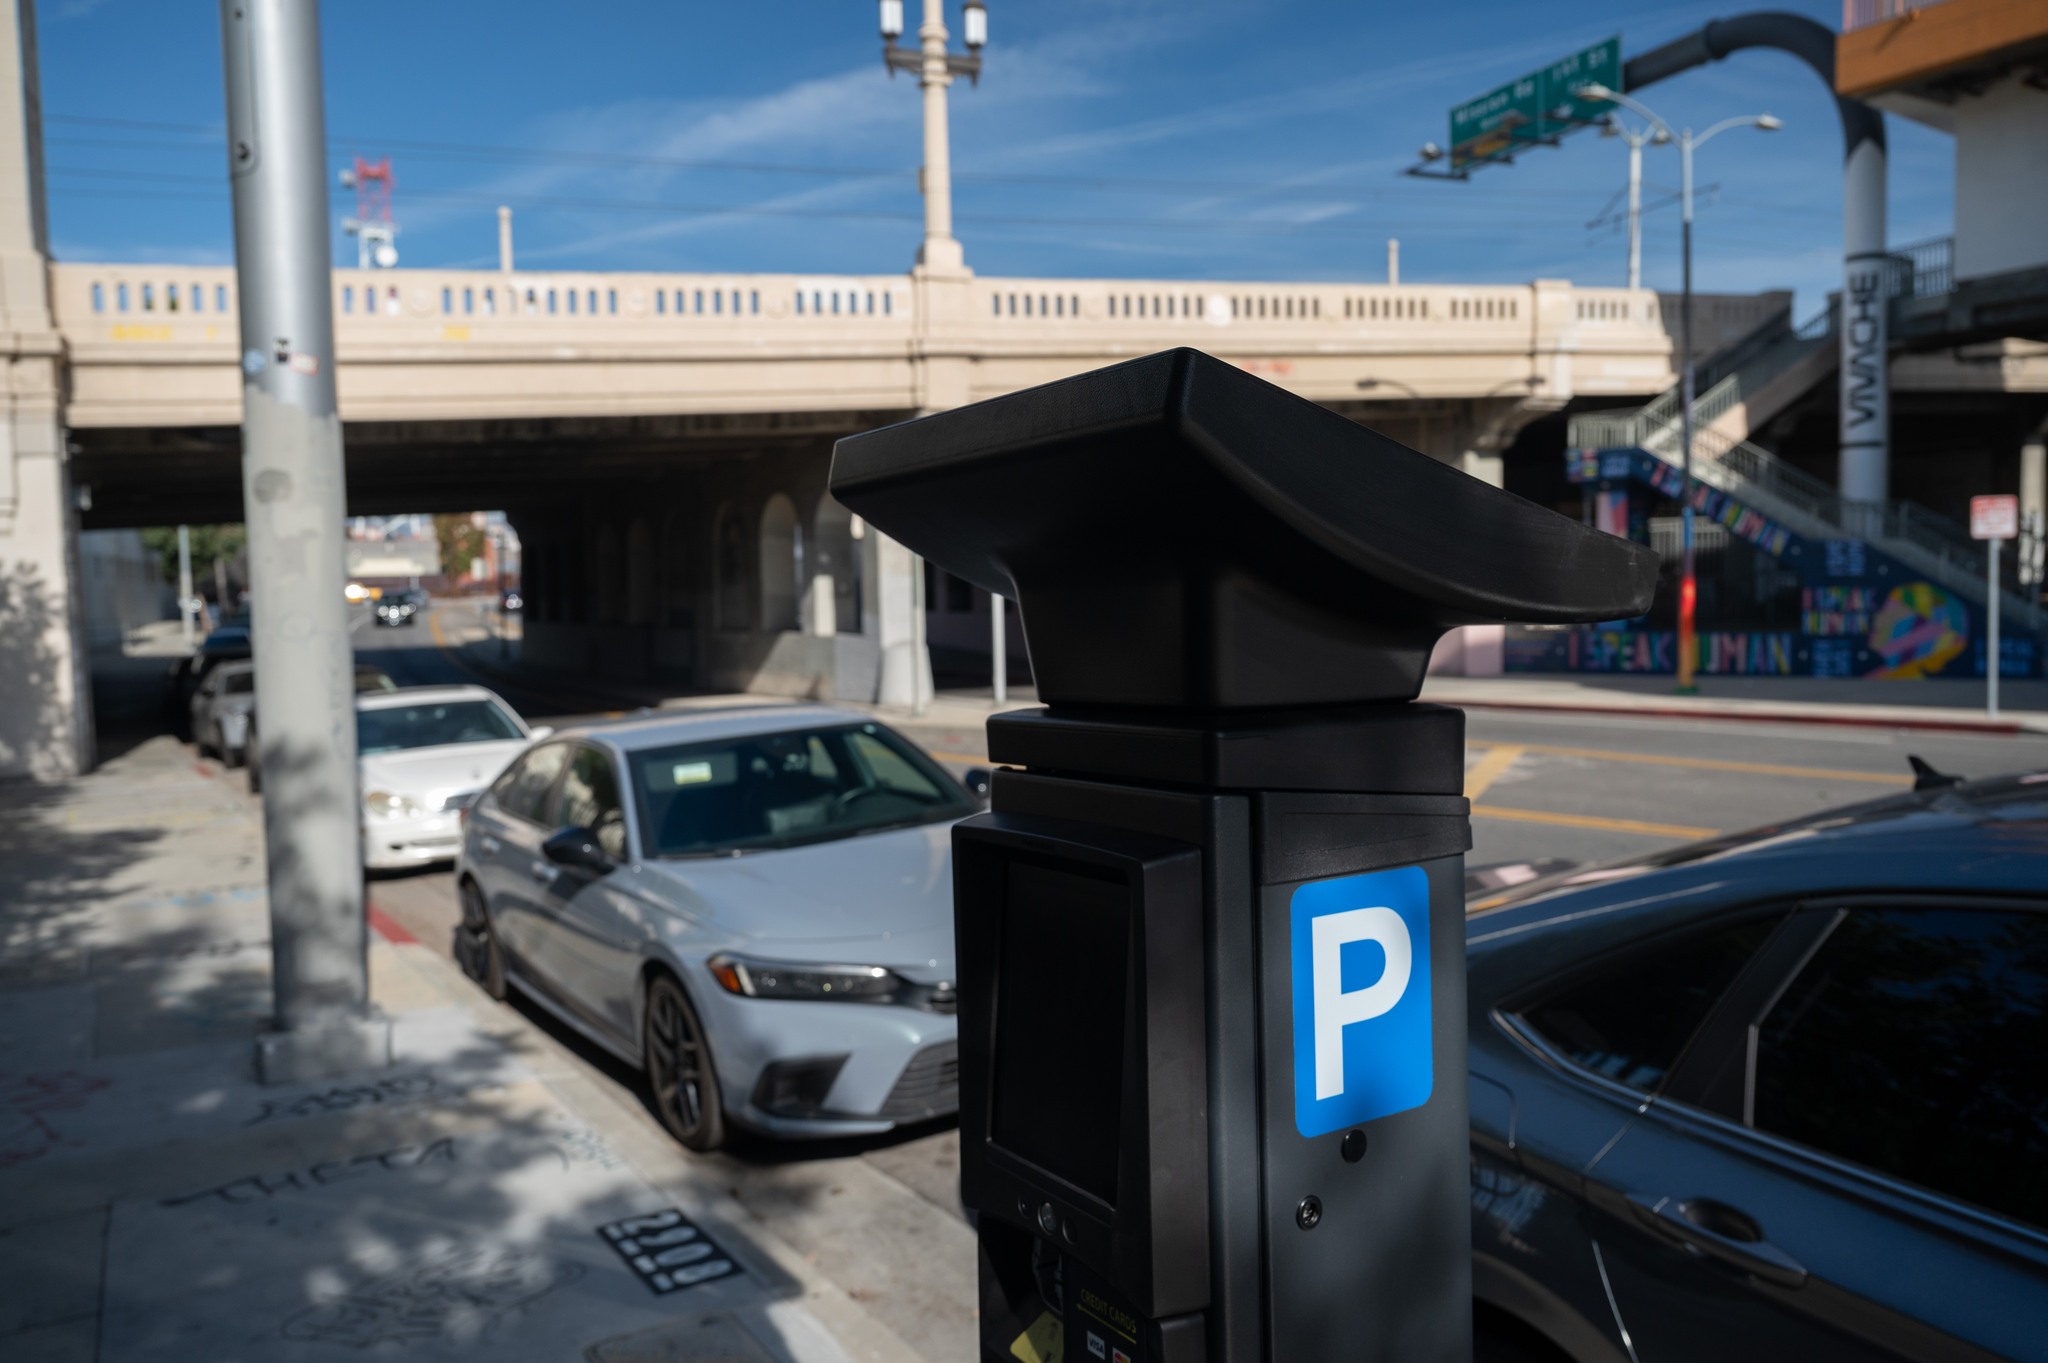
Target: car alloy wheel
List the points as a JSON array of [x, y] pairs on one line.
[[483, 960], [679, 1068]]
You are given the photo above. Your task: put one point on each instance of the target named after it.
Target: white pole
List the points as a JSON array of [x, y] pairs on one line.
[[1393, 260], [940, 249], [1991, 643], [185, 580], [1635, 211], [505, 239], [999, 648], [919, 658], [1865, 387]]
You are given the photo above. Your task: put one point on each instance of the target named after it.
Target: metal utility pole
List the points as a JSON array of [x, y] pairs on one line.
[[1688, 580], [1636, 139], [185, 580], [294, 505], [504, 239], [1393, 260]]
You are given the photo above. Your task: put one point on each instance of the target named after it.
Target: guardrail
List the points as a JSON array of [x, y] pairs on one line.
[[1863, 13]]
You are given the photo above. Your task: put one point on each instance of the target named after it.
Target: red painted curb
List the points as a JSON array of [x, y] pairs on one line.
[[389, 928], [1981, 726]]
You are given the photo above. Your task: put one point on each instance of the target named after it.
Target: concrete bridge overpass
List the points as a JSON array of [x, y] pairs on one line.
[[661, 441], [433, 362]]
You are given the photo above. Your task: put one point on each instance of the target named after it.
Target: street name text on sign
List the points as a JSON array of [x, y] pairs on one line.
[[1534, 107]]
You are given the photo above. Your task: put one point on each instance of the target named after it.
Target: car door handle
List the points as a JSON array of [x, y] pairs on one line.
[[545, 872], [1717, 1229], [488, 843]]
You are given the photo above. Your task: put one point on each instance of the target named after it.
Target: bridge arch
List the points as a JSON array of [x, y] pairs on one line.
[[782, 546]]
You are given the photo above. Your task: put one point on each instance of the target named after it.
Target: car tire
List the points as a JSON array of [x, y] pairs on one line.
[[477, 947], [231, 758], [680, 1075], [256, 778]]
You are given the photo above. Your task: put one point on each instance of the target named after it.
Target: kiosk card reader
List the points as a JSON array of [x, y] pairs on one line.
[[1211, 930]]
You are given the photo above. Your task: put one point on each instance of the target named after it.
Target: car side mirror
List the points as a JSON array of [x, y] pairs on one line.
[[540, 731], [578, 847], [976, 780]]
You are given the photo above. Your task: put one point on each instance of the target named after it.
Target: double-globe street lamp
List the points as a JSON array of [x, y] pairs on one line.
[[1688, 585], [935, 68]]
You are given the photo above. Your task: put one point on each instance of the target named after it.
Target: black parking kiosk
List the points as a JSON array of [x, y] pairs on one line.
[[1211, 929]]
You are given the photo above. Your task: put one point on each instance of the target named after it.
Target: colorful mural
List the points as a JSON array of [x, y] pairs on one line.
[[1918, 631], [1757, 654], [1862, 613]]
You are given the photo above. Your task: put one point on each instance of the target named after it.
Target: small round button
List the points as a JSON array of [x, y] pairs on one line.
[[1048, 1219], [1309, 1214], [1024, 1208], [1067, 1231], [1353, 1148]]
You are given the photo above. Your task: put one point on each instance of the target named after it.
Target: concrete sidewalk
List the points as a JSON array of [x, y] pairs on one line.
[[481, 1199], [1950, 705]]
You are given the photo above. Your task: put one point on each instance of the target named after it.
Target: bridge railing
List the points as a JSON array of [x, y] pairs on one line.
[[116, 302]]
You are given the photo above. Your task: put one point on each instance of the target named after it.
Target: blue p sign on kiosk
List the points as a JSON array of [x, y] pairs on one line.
[[1362, 1038]]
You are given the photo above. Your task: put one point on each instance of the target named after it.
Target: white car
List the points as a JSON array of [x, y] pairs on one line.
[[220, 712], [422, 754]]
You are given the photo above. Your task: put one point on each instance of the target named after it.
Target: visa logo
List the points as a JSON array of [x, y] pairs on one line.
[[1362, 1034]]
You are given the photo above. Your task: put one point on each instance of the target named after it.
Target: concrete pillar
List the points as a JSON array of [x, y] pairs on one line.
[[906, 667], [46, 721]]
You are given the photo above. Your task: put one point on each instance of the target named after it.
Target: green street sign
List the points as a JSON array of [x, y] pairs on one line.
[[1533, 108]]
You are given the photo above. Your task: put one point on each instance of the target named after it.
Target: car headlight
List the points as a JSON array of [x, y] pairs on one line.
[[819, 983], [386, 805]]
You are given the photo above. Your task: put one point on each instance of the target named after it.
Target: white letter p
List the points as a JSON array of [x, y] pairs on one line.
[[1335, 1009]]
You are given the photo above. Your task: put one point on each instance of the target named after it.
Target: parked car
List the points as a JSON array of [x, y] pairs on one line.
[[367, 679], [754, 906], [220, 711], [399, 608], [422, 754], [1780, 1095], [182, 678]]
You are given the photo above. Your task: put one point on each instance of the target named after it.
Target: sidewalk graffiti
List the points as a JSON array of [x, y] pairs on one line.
[[262, 1187], [396, 1088], [26, 1103], [667, 1251], [462, 1295]]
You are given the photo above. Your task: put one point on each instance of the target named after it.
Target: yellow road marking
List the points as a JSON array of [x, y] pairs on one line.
[[1654, 830], [1706, 763], [1489, 769]]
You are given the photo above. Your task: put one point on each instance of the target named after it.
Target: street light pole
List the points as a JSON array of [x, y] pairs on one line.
[[1688, 581], [293, 506], [935, 67]]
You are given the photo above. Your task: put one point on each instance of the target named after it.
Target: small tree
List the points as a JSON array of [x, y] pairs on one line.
[[210, 544]]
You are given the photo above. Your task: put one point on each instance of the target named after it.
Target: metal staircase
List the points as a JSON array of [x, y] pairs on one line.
[[1920, 539]]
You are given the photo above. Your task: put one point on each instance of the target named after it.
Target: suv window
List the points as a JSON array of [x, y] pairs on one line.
[[1629, 1019], [1915, 1043], [590, 799], [523, 790]]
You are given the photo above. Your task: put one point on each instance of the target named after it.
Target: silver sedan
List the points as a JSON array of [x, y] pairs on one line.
[[755, 906]]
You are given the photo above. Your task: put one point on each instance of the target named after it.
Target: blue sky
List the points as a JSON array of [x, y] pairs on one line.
[[1176, 139]]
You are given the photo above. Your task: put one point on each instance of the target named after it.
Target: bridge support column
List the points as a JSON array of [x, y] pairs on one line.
[[46, 723]]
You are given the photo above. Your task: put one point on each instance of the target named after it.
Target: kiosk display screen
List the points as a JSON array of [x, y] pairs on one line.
[[1057, 1087]]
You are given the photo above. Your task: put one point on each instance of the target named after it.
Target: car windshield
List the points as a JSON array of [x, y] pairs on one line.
[[432, 724], [238, 683], [783, 789]]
